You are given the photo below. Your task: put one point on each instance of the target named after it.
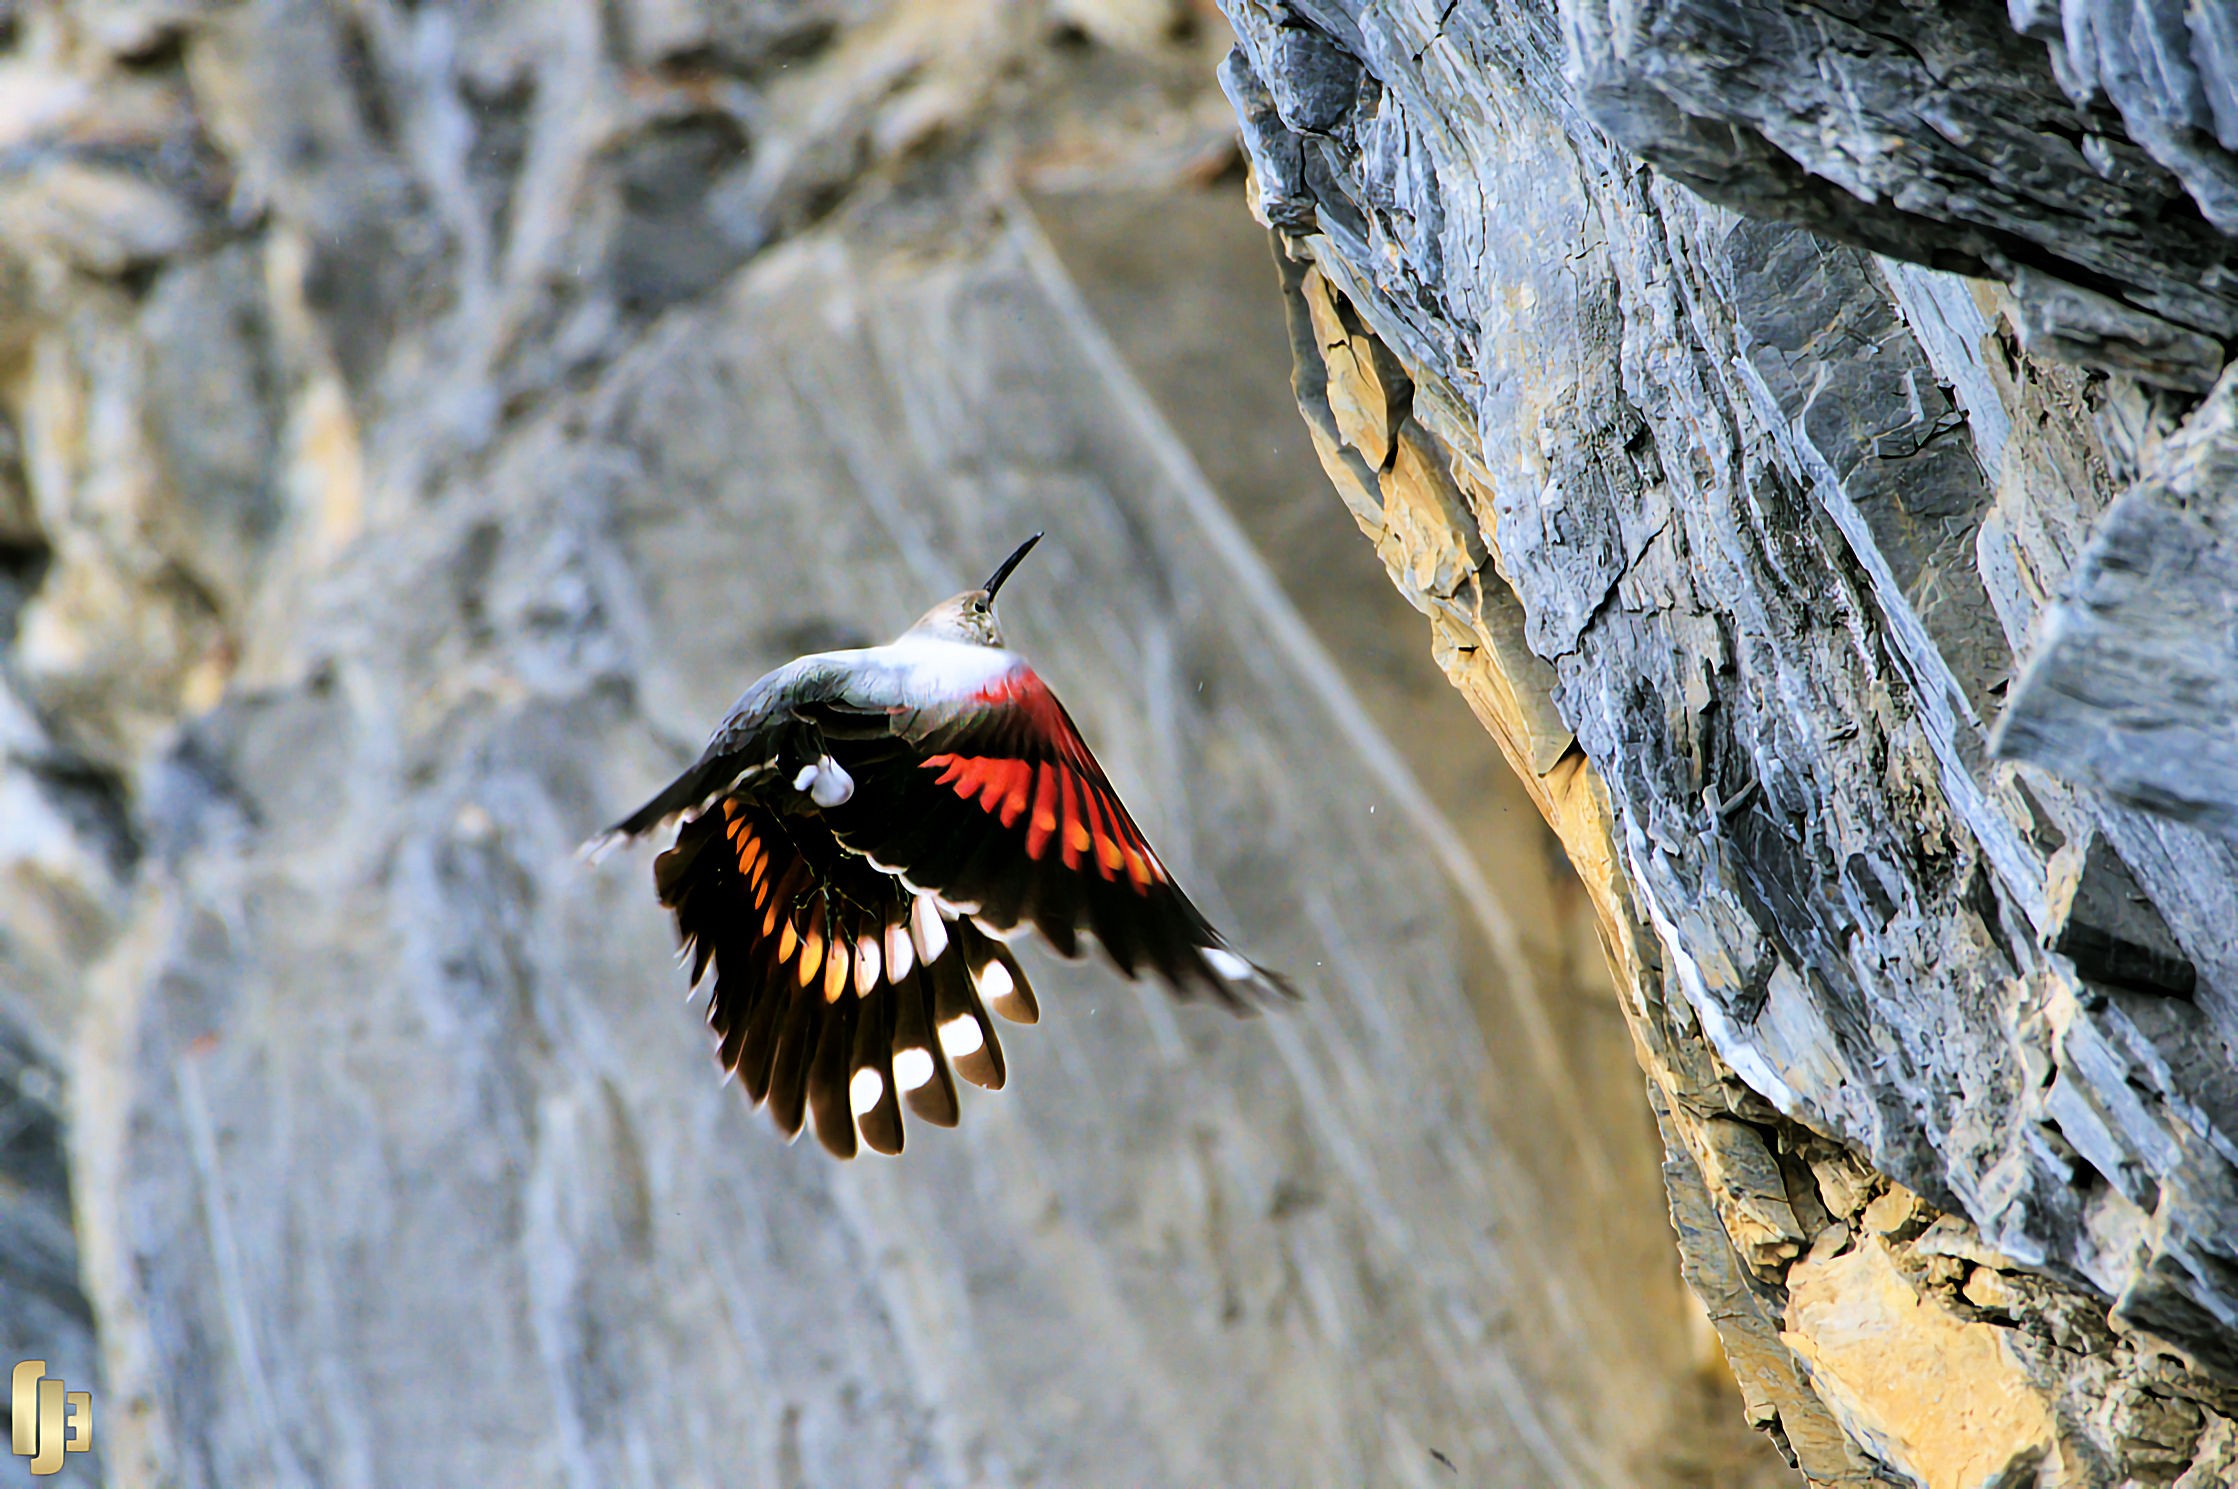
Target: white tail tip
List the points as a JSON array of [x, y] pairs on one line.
[[1225, 962]]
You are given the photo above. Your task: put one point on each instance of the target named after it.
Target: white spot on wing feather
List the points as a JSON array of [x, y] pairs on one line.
[[901, 953], [926, 929], [912, 1068], [960, 1036]]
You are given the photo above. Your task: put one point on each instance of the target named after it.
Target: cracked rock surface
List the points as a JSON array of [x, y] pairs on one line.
[[1634, 338]]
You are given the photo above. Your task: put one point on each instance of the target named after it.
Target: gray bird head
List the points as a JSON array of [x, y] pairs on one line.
[[970, 616]]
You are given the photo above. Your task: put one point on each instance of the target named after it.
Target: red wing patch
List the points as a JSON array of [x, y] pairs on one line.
[[994, 803], [1081, 813], [1027, 699], [1045, 811], [1001, 785], [1060, 791]]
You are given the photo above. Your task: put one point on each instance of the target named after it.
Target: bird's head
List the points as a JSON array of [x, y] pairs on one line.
[[970, 616]]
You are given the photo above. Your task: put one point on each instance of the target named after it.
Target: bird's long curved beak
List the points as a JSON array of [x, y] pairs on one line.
[[995, 581]]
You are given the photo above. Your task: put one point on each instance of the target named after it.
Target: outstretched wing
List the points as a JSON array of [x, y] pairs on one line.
[[838, 994], [754, 742], [857, 840], [998, 807]]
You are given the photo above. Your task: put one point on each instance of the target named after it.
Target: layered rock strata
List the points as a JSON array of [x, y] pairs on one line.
[[1735, 535]]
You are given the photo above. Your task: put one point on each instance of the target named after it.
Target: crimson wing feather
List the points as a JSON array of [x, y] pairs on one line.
[[1002, 810]]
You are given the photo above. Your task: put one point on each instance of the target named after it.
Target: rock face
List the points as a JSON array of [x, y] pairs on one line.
[[2133, 687], [1736, 535], [417, 421], [420, 421]]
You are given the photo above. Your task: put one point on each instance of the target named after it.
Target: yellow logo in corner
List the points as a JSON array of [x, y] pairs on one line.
[[40, 1407]]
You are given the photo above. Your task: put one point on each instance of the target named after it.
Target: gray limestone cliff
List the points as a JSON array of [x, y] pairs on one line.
[[1805, 429], [417, 422]]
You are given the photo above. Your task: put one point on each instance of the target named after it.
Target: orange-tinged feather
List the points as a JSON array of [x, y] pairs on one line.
[[1076, 836], [1107, 852], [1045, 812], [1021, 782]]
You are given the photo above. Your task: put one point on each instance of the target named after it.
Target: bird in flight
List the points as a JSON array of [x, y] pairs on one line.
[[864, 834]]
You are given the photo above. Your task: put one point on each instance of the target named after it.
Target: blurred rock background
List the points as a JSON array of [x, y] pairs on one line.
[[417, 421]]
